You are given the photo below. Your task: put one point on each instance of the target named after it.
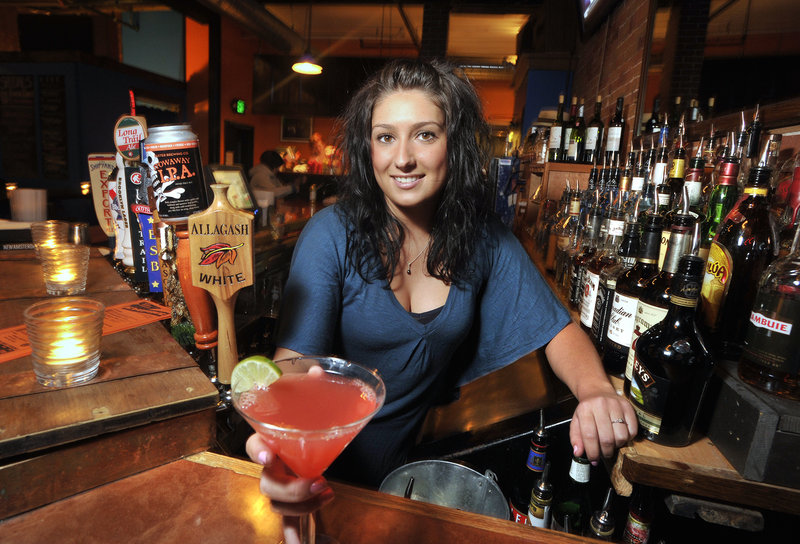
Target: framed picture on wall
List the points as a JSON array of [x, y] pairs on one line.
[[295, 128]]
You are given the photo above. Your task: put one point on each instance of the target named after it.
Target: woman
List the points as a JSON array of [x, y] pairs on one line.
[[411, 274]]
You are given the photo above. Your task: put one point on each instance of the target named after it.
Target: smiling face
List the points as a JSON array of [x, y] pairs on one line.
[[409, 152]]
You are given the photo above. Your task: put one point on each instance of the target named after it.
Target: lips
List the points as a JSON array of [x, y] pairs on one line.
[[407, 182]]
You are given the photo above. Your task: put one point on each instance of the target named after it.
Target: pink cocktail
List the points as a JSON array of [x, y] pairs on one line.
[[307, 417]]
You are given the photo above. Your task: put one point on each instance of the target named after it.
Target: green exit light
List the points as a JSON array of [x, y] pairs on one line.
[[239, 106]]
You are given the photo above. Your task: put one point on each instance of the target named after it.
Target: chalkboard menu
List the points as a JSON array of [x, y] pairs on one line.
[[22, 154], [18, 126]]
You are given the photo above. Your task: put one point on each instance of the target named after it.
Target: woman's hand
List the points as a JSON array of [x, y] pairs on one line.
[[288, 494], [602, 423], [603, 420]]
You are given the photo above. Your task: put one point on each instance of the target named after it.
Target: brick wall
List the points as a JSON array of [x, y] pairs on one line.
[[609, 62]]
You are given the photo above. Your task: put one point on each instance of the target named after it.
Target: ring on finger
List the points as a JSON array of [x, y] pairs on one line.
[[618, 420]]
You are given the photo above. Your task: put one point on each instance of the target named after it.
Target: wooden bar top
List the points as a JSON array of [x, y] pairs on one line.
[[149, 404], [212, 498]]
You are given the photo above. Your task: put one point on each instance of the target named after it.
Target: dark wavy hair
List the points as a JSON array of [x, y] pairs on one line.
[[376, 236]]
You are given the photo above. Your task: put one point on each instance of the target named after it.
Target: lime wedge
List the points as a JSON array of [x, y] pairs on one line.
[[253, 371]]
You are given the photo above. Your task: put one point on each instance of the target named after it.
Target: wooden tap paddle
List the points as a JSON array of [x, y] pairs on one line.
[[221, 252]]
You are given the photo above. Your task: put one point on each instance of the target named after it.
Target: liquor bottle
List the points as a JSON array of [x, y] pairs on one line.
[[654, 298], [588, 250], [576, 137], [740, 252], [548, 238], [672, 366], [723, 197], [594, 134], [790, 215], [554, 143], [567, 127], [607, 256], [541, 500], [771, 352], [616, 132], [710, 108], [677, 168], [674, 116], [519, 498], [566, 232], [653, 125], [572, 499], [640, 516], [693, 114], [659, 173], [603, 522], [630, 284], [627, 252], [695, 179], [753, 132]]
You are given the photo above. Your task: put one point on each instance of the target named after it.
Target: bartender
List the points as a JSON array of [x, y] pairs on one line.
[[263, 176], [410, 273]]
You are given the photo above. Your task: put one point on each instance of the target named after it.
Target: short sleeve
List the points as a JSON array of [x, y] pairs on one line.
[[518, 311], [312, 295]]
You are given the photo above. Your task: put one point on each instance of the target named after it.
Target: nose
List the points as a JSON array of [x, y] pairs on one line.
[[405, 160]]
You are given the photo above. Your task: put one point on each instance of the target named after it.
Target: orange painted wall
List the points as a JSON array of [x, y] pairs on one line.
[[239, 47]]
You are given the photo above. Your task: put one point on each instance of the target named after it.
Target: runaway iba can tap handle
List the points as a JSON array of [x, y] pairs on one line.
[[221, 252]]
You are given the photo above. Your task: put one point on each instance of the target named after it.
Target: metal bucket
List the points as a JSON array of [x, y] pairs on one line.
[[448, 484]]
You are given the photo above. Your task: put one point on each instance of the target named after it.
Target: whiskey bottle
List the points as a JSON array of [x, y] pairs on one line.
[[541, 500], [654, 298], [771, 352], [566, 232], [695, 180], [629, 286], [554, 143], [594, 134], [588, 250], [739, 254], [572, 499], [658, 173], [677, 167], [628, 250], [672, 366]]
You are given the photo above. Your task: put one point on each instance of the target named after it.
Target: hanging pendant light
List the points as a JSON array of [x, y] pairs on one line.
[[306, 64]]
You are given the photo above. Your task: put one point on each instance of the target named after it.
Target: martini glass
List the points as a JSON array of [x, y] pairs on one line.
[[308, 416]]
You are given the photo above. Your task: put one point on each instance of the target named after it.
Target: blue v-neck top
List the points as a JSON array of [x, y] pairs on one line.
[[502, 312]]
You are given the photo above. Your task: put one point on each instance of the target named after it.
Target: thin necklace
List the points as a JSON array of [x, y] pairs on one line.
[[408, 270]]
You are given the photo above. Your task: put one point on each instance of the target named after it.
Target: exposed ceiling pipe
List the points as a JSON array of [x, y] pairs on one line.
[[254, 16]]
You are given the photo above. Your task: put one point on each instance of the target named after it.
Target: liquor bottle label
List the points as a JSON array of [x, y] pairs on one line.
[[636, 531], [613, 138], [666, 234], [647, 315], [716, 281], [536, 460], [771, 338], [695, 190], [605, 294], [555, 138], [616, 227], [572, 150], [591, 138], [589, 298], [539, 514], [637, 183], [516, 515], [579, 472], [678, 168], [659, 173], [620, 322], [648, 396]]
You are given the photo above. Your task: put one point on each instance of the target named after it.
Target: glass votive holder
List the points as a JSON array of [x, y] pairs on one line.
[[48, 233], [64, 334], [64, 267]]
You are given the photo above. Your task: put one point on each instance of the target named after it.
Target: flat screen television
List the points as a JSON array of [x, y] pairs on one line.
[[593, 12]]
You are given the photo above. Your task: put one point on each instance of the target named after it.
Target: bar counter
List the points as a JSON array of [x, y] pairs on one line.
[[213, 498]]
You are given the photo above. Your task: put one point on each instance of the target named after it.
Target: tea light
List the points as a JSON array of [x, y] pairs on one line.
[[65, 334], [49, 233], [64, 267]]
